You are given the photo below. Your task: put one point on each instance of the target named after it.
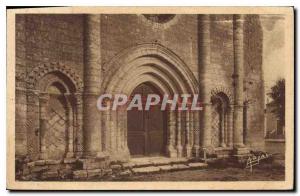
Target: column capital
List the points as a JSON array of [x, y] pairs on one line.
[[44, 97]]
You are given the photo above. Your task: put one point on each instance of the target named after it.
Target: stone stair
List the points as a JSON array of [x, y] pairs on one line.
[[150, 165], [101, 169]]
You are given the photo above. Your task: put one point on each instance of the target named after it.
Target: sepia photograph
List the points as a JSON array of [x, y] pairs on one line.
[[181, 98]]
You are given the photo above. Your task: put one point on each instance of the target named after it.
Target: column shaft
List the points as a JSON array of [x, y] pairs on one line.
[[79, 133], [44, 98], [20, 123], [223, 128], [204, 74], [206, 125], [92, 83], [238, 37], [230, 126], [187, 134], [171, 134], [179, 129], [196, 145], [70, 132]]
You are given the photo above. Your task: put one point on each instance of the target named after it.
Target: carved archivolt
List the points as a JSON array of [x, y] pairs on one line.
[[224, 90], [149, 62], [38, 72]]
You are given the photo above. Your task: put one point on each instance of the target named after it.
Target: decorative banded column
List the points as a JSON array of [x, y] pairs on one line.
[[43, 99], [205, 88], [171, 134], [178, 124], [238, 76], [79, 133], [92, 81], [196, 145]]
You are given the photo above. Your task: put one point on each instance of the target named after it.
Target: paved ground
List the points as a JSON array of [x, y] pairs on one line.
[[260, 173]]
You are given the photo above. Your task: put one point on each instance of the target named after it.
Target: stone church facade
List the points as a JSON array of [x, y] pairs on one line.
[[65, 61]]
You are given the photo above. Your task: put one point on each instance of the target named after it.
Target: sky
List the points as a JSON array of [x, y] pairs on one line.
[[273, 49]]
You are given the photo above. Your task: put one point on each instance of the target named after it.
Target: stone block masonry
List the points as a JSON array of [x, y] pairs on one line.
[[65, 62]]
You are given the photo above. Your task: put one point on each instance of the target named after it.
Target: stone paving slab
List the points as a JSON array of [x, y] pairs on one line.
[[166, 167], [142, 163], [145, 170], [128, 165], [161, 162], [125, 173], [180, 166], [94, 173], [197, 165]]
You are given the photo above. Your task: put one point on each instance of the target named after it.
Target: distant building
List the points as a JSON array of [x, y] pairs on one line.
[[274, 129]]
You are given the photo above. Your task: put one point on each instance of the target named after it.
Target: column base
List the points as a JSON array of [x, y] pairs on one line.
[[195, 151], [42, 156], [101, 155], [171, 152], [78, 155], [70, 155], [179, 151], [223, 145], [91, 154], [188, 151], [240, 150]]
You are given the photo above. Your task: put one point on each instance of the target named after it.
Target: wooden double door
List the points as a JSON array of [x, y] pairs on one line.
[[146, 129]]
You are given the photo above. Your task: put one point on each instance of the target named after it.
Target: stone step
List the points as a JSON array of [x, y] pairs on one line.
[[167, 168], [144, 162]]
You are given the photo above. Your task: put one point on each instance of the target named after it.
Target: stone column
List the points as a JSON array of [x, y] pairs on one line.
[[179, 129], [122, 128], [43, 99], [230, 126], [188, 148], [238, 76], [21, 148], [171, 133], [33, 124], [206, 125], [196, 145], [20, 122], [192, 131], [204, 78], [70, 124], [223, 127], [126, 149], [92, 83], [79, 133], [106, 126]]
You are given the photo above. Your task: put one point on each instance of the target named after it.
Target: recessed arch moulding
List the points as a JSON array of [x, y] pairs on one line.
[[159, 66]]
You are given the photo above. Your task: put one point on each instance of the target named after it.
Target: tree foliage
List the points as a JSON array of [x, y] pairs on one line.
[[278, 100]]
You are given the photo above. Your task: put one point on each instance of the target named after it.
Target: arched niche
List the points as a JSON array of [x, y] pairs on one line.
[[57, 97]]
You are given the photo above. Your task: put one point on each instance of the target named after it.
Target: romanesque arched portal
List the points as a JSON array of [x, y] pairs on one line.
[[155, 64]]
